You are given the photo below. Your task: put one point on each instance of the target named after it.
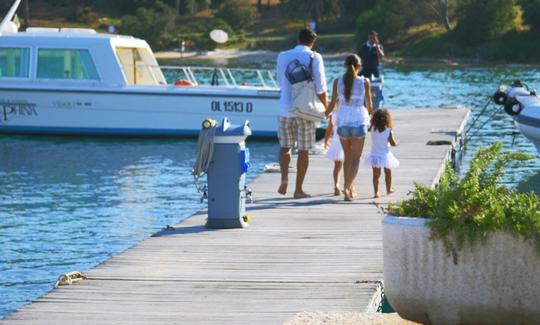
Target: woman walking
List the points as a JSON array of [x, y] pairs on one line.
[[353, 95]]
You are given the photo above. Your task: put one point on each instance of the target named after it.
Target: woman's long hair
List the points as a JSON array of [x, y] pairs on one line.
[[381, 120], [352, 64]]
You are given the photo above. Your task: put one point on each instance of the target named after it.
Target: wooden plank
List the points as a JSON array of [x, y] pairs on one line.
[[317, 254]]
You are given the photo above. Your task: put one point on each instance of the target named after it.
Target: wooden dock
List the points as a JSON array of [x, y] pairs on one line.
[[317, 254]]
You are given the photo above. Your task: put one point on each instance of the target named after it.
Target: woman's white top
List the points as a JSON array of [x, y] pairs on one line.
[[353, 112]]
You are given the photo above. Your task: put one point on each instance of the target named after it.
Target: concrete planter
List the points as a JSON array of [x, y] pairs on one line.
[[496, 282]]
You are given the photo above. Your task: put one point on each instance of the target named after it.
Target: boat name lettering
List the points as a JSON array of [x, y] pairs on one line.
[[68, 104], [231, 106], [18, 108]]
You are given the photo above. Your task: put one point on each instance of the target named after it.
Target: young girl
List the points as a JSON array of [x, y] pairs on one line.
[[335, 151], [380, 155]]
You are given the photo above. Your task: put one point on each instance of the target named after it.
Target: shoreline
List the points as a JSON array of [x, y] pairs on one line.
[[223, 56]]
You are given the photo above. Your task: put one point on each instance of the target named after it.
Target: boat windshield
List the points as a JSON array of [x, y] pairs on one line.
[[138, 66], [14, 62]]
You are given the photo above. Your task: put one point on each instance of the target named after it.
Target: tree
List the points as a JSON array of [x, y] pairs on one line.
[[239, 14], [149, 24], [441, 10], [483, 20], [311, 9], [531, 13]]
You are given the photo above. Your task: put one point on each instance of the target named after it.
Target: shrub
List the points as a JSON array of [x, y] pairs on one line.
[[531, 14], [383, 19], [477, 205], [483, 20], [149, 24], [86, 15], [239, 14]]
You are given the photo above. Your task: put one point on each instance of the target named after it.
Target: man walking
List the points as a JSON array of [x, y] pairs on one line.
[[292, 129], [371, 53]]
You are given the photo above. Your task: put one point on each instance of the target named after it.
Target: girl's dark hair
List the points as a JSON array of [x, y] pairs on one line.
[[352, 63], [381, 120]]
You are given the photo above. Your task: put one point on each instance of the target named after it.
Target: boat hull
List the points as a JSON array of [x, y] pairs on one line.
[[132, 112], [528, 120]]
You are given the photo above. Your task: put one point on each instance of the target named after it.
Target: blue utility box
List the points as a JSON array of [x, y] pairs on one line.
[[226, 177]]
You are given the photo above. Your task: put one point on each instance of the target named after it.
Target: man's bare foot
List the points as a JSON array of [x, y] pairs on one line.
[[390, 191], [337, 191], [282, 188], [376, 195], [301, 195]]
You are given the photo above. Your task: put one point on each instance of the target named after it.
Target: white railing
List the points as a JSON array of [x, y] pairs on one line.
[[224, 76]]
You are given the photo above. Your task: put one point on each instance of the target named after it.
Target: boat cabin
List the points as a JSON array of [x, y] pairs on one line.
[[77, 56]]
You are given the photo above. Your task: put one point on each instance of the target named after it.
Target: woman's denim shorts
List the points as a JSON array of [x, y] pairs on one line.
[[352, 131]]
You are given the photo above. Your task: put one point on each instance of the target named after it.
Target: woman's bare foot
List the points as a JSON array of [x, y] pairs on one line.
[[337, 191], [301, 195], [353, 191], [376, 196], [390, 191], [348, 196], [283, 188]]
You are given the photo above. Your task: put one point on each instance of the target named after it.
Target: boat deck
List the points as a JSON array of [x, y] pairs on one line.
[[317, 254]]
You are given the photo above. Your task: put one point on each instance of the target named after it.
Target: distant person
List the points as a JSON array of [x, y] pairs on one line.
[[353, 95], [380, 156], [292, 130], [371, 53]]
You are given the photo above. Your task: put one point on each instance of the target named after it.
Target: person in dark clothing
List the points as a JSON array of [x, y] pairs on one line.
[[371, 53]]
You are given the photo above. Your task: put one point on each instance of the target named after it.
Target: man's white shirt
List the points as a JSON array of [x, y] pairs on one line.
[[301, 53]]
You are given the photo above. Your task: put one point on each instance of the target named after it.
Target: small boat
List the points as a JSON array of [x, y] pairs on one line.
[[524, 107], [73, 81]]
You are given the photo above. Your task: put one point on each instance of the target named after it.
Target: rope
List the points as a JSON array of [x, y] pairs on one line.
[[205, 151], [69, 278], [479, 115]]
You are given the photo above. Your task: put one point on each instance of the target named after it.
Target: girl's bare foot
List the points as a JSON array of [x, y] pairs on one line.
[[282, 188], [301, 195], [337, 191], [376, 195], [390, 191]]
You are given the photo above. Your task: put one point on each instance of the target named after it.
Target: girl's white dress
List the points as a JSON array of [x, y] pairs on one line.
[[380, 155], [335, 150]]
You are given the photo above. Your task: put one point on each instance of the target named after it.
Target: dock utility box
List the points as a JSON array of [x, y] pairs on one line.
[[226, 177]]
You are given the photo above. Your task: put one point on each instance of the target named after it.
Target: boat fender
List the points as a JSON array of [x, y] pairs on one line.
[[183, 82], [499, 97], [513, 107]]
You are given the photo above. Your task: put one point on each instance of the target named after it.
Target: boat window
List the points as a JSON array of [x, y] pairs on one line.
[[66, 64], [14, 62], [136, 66]]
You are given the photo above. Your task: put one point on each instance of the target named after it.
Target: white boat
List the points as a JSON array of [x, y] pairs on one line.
[[524, 107], [79, 82]]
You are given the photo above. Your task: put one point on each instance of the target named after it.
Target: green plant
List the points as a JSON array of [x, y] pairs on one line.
[[471, 208]]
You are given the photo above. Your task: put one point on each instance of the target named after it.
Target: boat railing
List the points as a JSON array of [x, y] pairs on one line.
[[231, 77]]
